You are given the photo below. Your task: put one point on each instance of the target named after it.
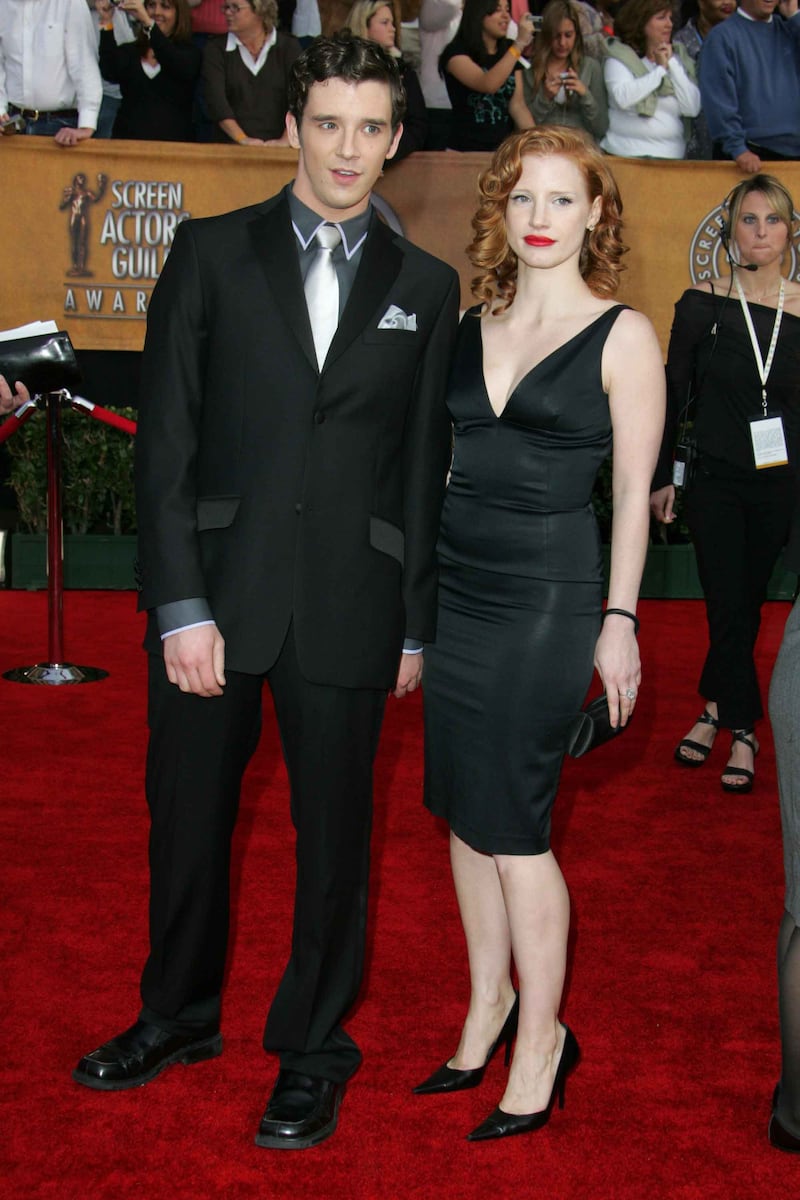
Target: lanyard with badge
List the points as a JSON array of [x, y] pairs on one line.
[[766, 432]]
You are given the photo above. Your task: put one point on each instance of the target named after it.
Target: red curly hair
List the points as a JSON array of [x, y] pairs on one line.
[[600, 262]]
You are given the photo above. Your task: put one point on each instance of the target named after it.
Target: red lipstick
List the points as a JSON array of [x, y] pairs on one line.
[[533, 240]]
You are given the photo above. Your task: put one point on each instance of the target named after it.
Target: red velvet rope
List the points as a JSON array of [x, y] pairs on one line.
[[12, 424], [111, 418]]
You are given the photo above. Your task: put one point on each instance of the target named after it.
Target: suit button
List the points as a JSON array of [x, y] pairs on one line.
[[298, 508], [319, 418]]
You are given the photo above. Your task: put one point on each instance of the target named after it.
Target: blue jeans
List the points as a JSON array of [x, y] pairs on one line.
[[107, 116], [50, 126]]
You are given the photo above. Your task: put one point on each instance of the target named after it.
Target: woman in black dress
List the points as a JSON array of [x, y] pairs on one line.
[[156, 73], [547, 369], [738, 507]]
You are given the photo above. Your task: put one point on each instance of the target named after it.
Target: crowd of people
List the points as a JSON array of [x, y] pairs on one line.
[[643, 79]]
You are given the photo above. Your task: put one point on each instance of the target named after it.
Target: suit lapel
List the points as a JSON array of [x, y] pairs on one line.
[[274, 240], [381, 260]]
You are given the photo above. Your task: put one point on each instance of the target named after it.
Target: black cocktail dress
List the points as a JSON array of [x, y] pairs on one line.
[[520, 591]]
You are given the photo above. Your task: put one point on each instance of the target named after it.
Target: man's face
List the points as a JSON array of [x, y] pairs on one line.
[[759, 10], [344, 138]]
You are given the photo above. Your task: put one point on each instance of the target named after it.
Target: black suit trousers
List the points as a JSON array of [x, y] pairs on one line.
[[198, 751]]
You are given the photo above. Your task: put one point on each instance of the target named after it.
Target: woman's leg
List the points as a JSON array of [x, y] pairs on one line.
[[483, 915], [738, 529], [768, 504], [788, 1107], [784, 707], [537, 904], [716, 519]]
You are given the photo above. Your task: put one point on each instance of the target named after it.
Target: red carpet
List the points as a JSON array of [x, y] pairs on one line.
[[676, 891]]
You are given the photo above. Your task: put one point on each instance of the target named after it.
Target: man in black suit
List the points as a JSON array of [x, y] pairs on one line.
[[288, 502]]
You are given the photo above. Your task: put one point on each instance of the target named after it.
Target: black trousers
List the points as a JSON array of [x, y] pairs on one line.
[[198, 751], [739, 526]]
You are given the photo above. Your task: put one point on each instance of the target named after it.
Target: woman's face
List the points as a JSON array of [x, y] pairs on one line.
[[242, 18], [495, 25], [658, 29], [548, 212], [381, 27], [714, 11], [164, 14], [761, 235], [564, 39]]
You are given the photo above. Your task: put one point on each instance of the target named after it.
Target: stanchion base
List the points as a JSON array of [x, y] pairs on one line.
[[55, 674]]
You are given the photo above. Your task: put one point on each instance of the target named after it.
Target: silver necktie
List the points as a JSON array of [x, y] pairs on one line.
[[322, 291]]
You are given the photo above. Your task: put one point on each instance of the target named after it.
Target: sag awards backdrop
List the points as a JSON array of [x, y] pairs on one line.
[[94, 224]]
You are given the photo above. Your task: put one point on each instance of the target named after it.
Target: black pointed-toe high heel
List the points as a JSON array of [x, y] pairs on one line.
[[502, 1124], [448, 1079]]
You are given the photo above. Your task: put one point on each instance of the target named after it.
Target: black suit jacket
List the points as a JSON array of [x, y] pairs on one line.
[[278, 492]]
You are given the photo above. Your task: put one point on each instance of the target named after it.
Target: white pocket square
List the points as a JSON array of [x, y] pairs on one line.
[[395, 318]]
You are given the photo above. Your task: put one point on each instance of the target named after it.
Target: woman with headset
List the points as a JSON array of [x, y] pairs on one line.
[[734, 353]]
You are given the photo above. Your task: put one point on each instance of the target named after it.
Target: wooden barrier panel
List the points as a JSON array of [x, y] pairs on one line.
[[87, 228]]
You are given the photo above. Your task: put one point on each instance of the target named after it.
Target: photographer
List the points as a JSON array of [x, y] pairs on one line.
[[562, 86]]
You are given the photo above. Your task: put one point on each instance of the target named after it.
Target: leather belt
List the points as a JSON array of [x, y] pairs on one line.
[[36, 114]]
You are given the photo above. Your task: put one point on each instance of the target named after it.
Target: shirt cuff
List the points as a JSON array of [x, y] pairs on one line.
[[87, 117], [183, 614], [412, 646], [183, 628]]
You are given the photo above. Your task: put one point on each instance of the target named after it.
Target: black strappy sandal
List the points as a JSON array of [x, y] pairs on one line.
[[705, 718], [747, 777]]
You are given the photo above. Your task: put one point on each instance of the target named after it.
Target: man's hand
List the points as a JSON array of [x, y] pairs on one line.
[[10, 400], [195, 660], [662, 504], [787, 8], [70, 137], [409, 676], [748, 162]]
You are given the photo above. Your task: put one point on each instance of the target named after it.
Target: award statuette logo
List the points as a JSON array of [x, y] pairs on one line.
[[79, 198], [708, 258], [120, 233]]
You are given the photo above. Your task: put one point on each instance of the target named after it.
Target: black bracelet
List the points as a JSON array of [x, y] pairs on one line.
[[623, 612]]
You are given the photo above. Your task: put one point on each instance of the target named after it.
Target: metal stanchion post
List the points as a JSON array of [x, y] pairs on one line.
[[55, 671]]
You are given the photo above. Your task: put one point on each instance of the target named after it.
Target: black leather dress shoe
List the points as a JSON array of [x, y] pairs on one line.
[[302, 1111], [138, 1054]]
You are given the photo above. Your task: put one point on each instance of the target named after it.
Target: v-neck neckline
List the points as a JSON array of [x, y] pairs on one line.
[[498, 416]]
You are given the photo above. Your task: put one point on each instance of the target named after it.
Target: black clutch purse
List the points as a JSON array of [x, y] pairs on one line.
[[44, 363], [591, 728]]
